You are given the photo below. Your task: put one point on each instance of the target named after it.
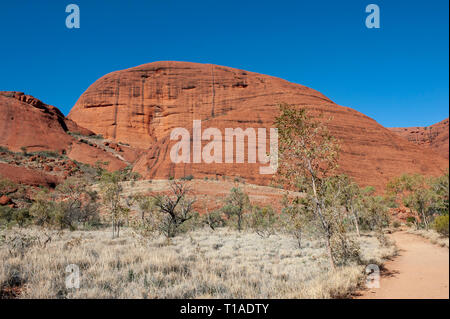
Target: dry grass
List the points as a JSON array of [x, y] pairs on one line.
[[200, 264], [432, 236]]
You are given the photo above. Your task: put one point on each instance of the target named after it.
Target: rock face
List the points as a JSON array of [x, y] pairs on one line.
[[434, 136], [27, 124], [28, 176], [142, 105]]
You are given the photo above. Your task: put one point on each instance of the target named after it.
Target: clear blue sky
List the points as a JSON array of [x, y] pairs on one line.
[[397, 74]]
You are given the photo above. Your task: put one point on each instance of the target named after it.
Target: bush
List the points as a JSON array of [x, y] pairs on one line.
[[6, 215], [236, 205], [47, 154], [214, 219], [441, 225], [4, 149], [263, 221], [187, 178], [176, 208]]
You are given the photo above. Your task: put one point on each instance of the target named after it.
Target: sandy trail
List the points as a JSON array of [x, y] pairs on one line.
[[419, 272]]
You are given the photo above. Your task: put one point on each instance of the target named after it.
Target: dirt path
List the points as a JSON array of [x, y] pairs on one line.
[[420, 271]]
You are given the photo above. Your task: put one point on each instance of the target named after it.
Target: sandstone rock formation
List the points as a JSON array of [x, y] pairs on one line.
[[142, 105], [434, 136], [27, 176], [28, 125]]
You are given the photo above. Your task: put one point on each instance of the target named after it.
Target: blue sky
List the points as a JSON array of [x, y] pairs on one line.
[[397, 74]]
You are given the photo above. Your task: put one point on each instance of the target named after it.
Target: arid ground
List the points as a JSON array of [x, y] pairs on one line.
[[420, 271]]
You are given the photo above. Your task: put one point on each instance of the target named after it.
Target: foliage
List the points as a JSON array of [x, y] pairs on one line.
[[111, 188], [263, 220], [7, 186], [175, 207], [427, 196], [296, 218], [236, 205], [77, 204], [307, 162], [441, 225], [214, 219], [71, 205]]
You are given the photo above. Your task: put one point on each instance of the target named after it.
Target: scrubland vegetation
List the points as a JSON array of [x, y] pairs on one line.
[[157, 245]]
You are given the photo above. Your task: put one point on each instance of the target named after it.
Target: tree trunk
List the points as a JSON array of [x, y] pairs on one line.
[[239, 222], [330, 255], [356, 224], [424, 219], [113, 229]]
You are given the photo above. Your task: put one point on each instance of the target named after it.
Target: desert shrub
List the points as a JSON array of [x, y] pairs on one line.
[[7, 186], [111, 189], [72, 204], [47, 154], [14, 216], [296, 218], [441, 225], [187, 178], [396, 224], [426, 196], [43, 210], [6, 215], [149, 226], [76, 204], [236, 205], [176, 208], [214, 219], [4, 149], [374, 216], [263, 221], [345, 250]]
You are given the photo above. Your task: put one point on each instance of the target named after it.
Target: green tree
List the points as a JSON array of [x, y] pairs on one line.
[[236, 205], [263, 220], [415, 192], [308, 153], [77, 203], [111, 188], [351, 199], [176, 207]]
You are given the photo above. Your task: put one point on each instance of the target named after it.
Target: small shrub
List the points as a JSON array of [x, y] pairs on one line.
[[4, 149], [441, 225], [263, 221], [187, 178], [48, 154], [214, 219]]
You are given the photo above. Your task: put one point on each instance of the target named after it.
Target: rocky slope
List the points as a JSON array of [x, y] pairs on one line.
[[142, 105], [29, 127], [434, 136]]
